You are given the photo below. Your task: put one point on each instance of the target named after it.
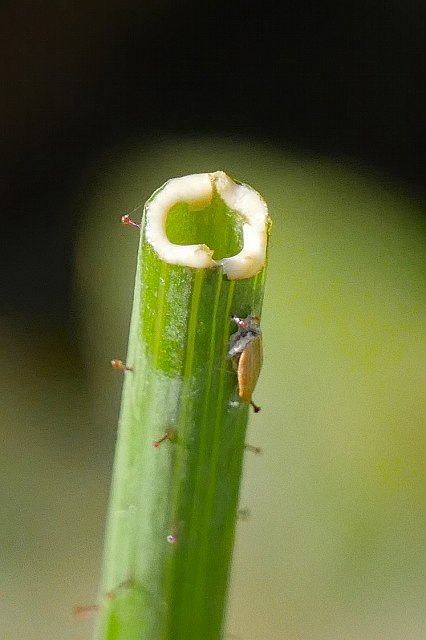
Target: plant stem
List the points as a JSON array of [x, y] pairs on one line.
[[172, 514]]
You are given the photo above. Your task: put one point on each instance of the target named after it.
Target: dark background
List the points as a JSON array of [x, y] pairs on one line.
[[332, 77]]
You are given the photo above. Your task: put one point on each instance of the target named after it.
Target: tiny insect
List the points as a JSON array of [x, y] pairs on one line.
[[245, 351], [119, 364], [170, 434], [89, 611], [127, 220], [250, 447]]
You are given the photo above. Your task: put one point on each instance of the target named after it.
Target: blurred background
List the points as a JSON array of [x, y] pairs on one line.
[[320, 107]]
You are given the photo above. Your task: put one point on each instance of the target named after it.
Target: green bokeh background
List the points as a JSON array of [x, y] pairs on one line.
[[335, 544]]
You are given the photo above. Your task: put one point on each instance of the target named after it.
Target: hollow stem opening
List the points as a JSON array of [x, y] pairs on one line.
[[215, 226]]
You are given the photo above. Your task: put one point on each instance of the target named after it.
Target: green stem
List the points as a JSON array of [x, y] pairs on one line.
[[172, 514]]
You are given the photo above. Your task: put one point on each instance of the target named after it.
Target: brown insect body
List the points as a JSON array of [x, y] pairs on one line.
[[249, 365], [245, 350]]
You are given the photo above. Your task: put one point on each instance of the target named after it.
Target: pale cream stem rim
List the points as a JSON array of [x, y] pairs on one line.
[[197, 191]]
